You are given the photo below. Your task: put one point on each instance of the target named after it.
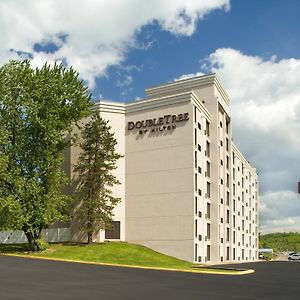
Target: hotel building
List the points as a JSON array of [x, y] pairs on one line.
[[186, 190]]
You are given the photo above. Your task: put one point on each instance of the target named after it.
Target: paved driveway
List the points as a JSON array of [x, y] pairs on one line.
[[44, 280]]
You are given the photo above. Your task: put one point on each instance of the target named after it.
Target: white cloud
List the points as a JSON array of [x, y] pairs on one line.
[[97, 33], [186, 76], [280, 212], [265, 108]]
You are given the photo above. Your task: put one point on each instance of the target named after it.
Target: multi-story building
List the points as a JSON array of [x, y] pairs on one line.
[[186, 189]]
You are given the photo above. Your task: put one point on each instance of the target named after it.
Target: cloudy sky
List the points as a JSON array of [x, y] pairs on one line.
[[120, 47]]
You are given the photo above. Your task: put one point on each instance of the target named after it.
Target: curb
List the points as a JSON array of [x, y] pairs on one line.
[[198, 271]]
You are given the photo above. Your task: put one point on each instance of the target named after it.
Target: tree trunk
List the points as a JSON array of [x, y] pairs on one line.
[[30, 239], [90, 238]]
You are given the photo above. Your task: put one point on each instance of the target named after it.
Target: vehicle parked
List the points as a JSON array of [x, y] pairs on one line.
[[294, 256]]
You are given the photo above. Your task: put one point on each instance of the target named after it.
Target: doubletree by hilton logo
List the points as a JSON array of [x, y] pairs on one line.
[[167, 122]]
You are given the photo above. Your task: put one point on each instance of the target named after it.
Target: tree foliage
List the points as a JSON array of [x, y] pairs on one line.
[[281, 242], [37, 109], [95, 165]]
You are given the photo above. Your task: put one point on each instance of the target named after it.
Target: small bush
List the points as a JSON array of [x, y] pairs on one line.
[[41, 245]]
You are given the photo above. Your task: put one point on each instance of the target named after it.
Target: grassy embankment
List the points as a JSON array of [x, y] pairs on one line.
[[281, 242], [110, 253]]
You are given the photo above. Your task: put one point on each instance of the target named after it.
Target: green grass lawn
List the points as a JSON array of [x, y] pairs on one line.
[[109, 252]]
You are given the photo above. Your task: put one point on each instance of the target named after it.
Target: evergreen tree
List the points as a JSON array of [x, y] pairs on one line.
[[95, 165], [38, 107]]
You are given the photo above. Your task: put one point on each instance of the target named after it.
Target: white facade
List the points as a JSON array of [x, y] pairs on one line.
[[186, 189]]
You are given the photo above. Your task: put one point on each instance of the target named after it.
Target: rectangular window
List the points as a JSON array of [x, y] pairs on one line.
[[196, 159], [227, 144], [227, 198], [227, 216], [208, 210], [227, 253], [227, 180], [208, 169], [208, 190], [207, 128], [196, 205], [207, 149], [196, 228], [114, 232], [227, 234], [208, 231], [208, 252], [227, 162], [195, 182]]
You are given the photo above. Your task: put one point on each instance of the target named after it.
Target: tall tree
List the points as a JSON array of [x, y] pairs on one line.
[[38, 107], [95, 165]]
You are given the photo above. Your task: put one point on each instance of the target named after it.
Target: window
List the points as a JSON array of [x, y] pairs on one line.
[[208, 231], [207, 128], [227, 126], [227, 216], [208, 252], [196, 228], [227, 198], [227, 162], [114, 232], [199, 147], [221, 143], [221, 125], [233, 221], [227, 234], [208, 190], [199, 169], [207, 149], [195, 136], [233, 237], [195, 182], [221, 181], [208, 210], [199, 126], [196, 205], [227, 144], [227, 253], [196, 159], [227, 180], [208, 169]]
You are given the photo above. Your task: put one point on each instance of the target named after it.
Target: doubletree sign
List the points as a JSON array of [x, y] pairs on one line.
[[167, 122]]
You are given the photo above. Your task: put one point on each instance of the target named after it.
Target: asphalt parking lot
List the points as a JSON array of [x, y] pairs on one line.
[[22, 278]]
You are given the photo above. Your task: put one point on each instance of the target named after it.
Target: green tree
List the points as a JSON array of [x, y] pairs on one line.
[[38, 107], [95, 165]]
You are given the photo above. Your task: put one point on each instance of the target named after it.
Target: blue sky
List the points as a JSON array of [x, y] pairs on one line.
[[256, 27], [121, 47]]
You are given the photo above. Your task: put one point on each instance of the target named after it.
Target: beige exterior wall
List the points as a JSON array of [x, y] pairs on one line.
[[159, 179]]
